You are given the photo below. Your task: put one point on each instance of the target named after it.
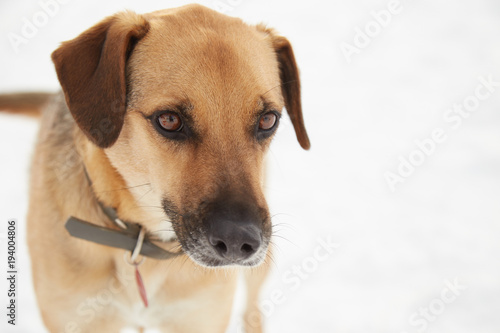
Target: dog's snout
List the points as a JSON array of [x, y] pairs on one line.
[[234, 241], [234, 229]]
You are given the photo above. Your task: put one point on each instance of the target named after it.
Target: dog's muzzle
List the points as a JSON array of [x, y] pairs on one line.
[[230, 230]]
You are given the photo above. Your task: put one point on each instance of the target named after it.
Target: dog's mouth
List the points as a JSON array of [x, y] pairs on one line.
[[202, 252], [205, 254], [163, 233]]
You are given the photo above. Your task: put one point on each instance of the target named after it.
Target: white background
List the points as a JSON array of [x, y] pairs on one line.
[[396, 248]]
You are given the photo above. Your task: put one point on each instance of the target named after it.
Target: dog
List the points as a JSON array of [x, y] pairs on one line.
[[155, 149]]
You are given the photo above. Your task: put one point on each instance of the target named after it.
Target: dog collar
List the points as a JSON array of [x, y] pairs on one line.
[[127, 237], [123, 239]]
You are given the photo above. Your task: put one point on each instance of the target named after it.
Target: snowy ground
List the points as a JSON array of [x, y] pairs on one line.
[[424, 257]]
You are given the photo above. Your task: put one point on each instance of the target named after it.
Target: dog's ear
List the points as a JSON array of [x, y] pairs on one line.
[[290, 84], [91, 69]]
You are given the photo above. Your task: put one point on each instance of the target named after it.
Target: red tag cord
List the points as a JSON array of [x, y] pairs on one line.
[[140, 286], [133, 258]]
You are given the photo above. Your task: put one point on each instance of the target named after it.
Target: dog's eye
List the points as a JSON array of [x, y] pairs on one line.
[[171, 124], [170, 121], [267, 121]]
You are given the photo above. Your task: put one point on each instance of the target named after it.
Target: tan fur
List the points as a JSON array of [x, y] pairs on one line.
[[223, 69]]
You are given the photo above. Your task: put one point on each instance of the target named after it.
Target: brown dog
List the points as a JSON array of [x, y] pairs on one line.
[[166, 118]]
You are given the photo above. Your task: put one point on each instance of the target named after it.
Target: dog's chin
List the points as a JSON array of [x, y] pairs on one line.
[[203, 259], [211, 262]]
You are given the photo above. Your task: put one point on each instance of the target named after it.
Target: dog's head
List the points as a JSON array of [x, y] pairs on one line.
[[187, 101]]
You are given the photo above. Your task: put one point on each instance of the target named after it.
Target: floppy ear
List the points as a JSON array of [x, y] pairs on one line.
[[91, 70], [290, 84]]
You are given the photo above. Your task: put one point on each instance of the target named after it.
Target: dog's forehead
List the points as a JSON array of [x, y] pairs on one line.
[[199, 55]]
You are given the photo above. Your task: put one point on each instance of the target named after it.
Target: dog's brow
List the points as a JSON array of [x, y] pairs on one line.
[[183, 107], [265, 105]]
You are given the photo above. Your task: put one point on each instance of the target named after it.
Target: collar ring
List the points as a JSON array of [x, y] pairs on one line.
[[133, 258]]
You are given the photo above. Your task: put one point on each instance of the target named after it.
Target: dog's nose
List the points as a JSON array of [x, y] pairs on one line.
[[234, 228], [234, 241]]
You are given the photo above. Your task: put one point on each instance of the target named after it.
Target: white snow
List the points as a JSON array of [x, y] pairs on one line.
[[398, 252]]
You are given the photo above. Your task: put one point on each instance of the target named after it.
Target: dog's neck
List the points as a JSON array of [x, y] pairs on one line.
[[107, 184]]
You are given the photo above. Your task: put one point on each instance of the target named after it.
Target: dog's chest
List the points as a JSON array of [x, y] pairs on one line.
[[165, 307], [158, 314], [139, 316]]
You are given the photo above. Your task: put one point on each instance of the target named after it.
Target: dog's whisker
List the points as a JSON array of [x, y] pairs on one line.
[[286, 214], [124, 188], [184, 262], [285, 225], [275, 246], [270, 257], [151, 209], [278, 230], [279, 85], [286, 239], [142, 196], [162, 230]]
